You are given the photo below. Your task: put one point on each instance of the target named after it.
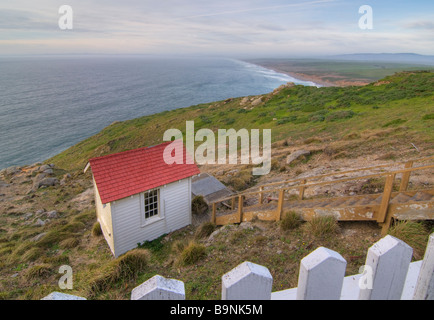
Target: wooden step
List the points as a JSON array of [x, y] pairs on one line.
[[401, 198], [421, 196]]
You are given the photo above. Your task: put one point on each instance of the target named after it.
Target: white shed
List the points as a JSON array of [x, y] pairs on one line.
[[139, 197]]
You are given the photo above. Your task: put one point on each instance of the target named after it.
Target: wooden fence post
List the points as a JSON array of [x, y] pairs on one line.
[[424, 289], [233, 203], [261, 195], [321, 275], [214, 212], [280, 204], [405, 177], [240, 207], [159, 288], [385, 270], [301, 190], [247, 281], [383, 217]]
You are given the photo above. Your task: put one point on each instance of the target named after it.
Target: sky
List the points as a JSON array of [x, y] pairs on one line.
[[235, 28]]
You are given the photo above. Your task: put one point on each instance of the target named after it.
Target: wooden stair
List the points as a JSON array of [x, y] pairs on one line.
[[401, 205]]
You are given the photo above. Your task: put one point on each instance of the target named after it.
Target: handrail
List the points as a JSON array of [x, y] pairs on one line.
[[330, 182], [344, 172]]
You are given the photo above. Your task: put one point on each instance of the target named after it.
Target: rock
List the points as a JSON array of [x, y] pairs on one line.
[[66, 177], [44, 167], [283, 86], [220, 230], [40, 223], [297, 154], [38, 237], [39, 212], [244, 101], [48, 171], [45, 182], [52, 214], [257, 102], [28, 215], [10, 171]]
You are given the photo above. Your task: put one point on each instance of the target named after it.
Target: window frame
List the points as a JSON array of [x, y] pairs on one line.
[[143, 211]]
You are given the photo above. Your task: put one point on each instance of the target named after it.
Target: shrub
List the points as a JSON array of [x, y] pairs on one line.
[[338, 115], [394, 122], [38, 271], [69, 243], [125, 268], [321, 226], [96, 229], [205, 230], [413, 233], [192, 253], [198, 205], [229, 121], [32, 254], [290, 220], [429, 116]]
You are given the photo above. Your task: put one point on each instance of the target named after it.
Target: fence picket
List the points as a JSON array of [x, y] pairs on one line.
[[425, 283], [388, 260], [159, 288], [321, 275], [247, 281]]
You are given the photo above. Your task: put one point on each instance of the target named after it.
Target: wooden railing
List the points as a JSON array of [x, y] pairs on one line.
[[302, 184]]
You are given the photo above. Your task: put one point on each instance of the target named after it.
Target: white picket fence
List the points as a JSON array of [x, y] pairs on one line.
[[388, 274]]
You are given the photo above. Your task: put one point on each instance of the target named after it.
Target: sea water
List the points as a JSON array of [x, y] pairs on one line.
[[49, 103]]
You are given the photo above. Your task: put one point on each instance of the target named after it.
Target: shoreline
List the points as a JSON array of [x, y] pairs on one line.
[[317, 78]]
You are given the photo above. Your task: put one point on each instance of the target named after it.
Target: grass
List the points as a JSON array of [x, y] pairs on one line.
[[191, 253], [310, 117], [322, 226], [291, 220], [414, 233], [120, 270]]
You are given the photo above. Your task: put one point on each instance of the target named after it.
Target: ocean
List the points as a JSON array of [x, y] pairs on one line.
[[49, 103]]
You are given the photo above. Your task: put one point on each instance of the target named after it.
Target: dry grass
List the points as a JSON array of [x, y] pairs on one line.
[[191, 254], [290, 220], [413, 233], [321, 226], [123, 269], [96, 229], [204, 230]]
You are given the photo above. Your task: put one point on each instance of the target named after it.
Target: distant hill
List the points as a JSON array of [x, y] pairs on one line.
[[387, 57]]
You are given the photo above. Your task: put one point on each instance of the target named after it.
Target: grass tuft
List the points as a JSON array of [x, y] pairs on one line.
[[321, 226], [291, 220]]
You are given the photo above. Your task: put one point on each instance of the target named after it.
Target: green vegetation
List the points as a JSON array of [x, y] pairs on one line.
[[414, 233], [198, 205], [290, 220], [321, 226], [296, 112]]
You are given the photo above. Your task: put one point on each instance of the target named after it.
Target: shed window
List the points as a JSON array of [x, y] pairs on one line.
[[151, 203]]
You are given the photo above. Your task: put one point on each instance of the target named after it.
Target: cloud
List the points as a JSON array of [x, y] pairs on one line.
[[424, 25], [231, 27]]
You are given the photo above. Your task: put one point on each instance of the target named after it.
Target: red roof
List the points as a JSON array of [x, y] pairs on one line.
[[127, 173]]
